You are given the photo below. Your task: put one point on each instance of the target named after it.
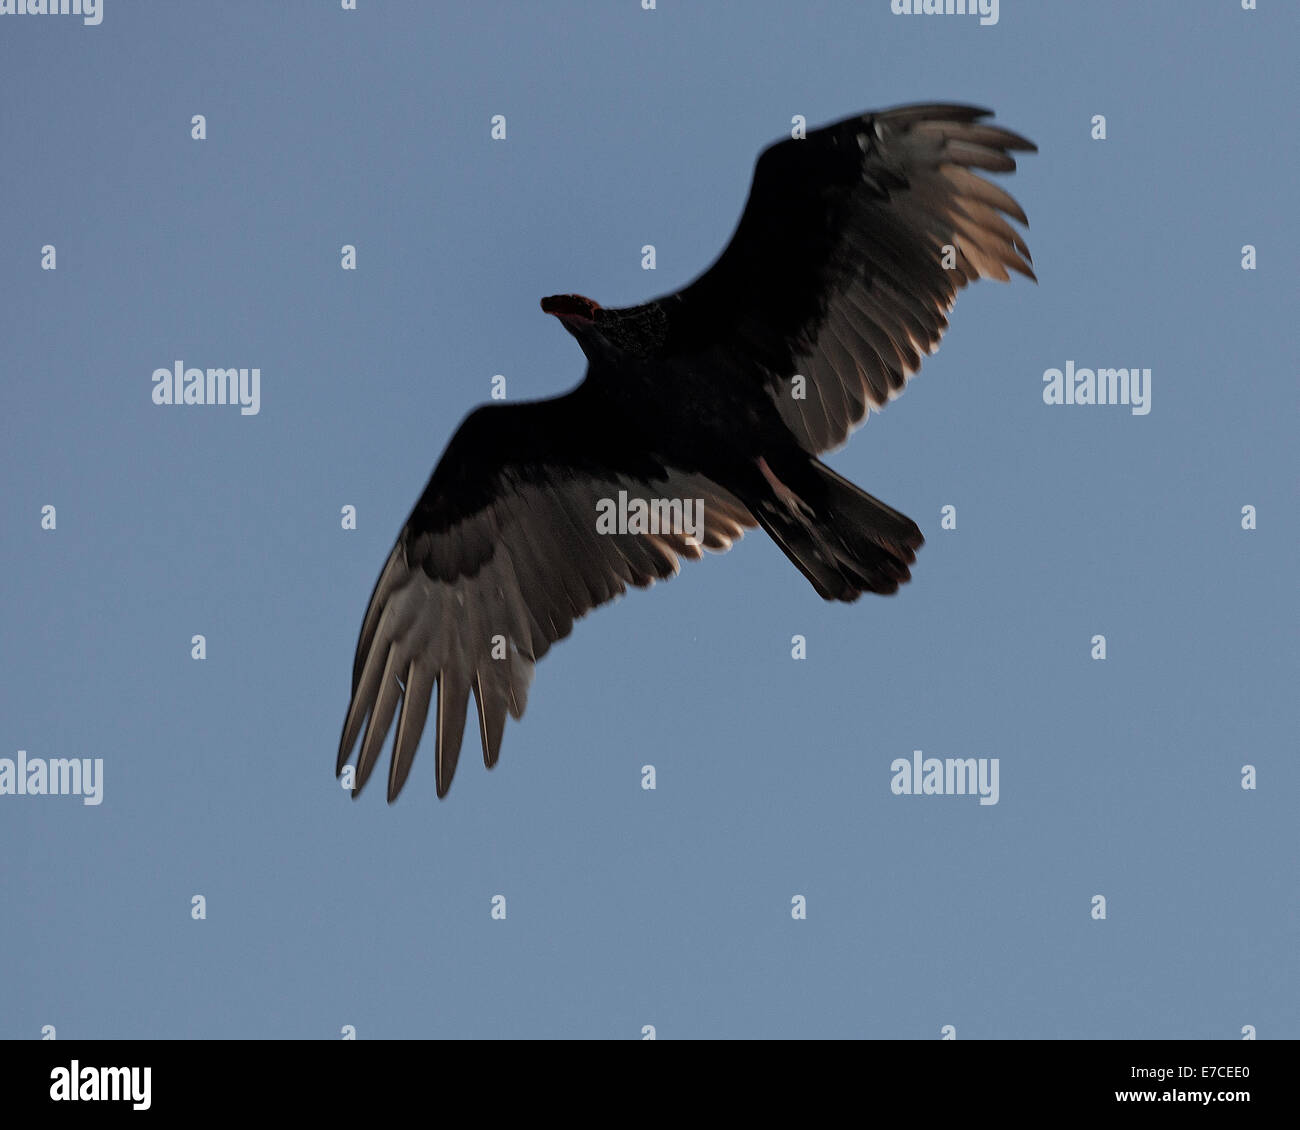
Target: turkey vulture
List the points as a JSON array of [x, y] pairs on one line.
[[850, 251]]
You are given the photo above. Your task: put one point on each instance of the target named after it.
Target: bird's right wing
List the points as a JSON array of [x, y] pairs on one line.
[[499, 557]]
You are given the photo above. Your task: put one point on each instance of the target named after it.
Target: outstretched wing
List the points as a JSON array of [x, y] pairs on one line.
[[498, 558], [837, 269]]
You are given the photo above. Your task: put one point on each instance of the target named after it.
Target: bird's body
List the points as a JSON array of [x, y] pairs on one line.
[[849, 254]]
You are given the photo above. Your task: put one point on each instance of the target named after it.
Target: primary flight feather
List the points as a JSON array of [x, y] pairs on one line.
[[848, 256]]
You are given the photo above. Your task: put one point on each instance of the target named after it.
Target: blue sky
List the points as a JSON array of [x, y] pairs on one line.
[[625, 907]]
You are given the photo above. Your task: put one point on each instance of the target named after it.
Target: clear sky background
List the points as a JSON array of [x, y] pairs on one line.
[[627, 908]]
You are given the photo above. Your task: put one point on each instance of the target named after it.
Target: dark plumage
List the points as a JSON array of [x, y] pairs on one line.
[[836, 274]]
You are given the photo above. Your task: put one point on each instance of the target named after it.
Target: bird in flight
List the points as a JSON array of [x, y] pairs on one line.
[[848, 256]]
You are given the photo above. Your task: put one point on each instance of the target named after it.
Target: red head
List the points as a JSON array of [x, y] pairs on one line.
[[571, 307]]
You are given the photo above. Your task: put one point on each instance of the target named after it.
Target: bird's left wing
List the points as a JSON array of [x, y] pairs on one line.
[[499, 557], [846, 261]]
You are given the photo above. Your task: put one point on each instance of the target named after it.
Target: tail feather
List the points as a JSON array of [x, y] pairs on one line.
[[843, 540]]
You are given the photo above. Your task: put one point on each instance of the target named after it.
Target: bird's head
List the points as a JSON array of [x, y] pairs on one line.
[[570, 308], [578, 315]]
